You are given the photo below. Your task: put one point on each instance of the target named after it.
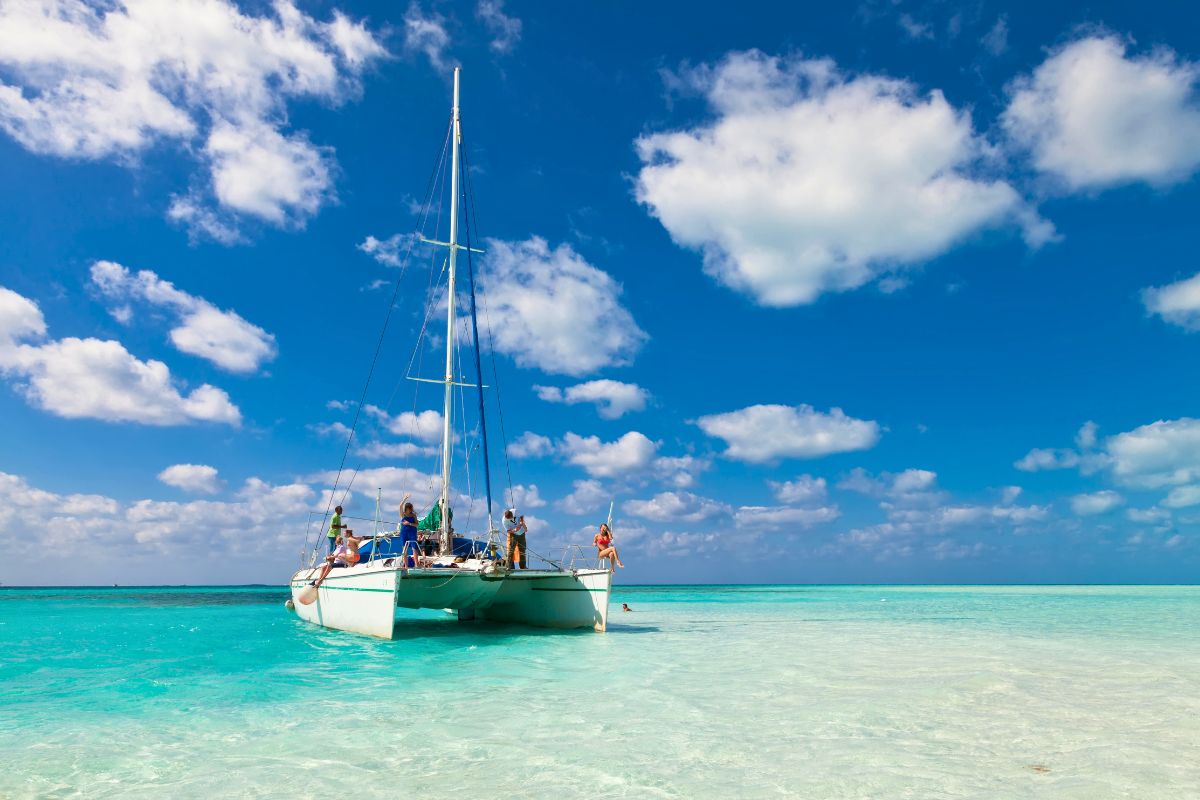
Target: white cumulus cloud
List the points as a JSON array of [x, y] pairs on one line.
[[923, 512], [111, 80], [1163, 453], [631, 453], [1096, 502], [908, 488], [531, 445], [1092, 116], [1177, 303], [763, 433], [1044, 458], [1086, 458], [588, 496], [676, 507], [680, 472], [1182, 497], [405, 450], [613, 399], [1086, 437], [552, 310], [804, 490], [192, 478], [1148, 515], [222, 337], [424, 426], [257, 170], [811, 181], [17, 494], [94, 378]]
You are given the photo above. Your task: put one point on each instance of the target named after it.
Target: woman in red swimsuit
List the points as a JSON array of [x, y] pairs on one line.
[[603, 542]]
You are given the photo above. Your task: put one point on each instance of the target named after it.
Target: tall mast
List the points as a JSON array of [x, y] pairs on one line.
[[447, 545]]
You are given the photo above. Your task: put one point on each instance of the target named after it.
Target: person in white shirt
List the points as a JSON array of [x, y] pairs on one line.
[[515, 526]]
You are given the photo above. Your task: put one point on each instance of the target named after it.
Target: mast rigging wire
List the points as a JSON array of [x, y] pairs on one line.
[[491, 340], [487, 473], [438, 165]]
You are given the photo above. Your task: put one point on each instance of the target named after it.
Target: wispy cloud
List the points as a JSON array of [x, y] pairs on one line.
[[505, 30], [425, 32]]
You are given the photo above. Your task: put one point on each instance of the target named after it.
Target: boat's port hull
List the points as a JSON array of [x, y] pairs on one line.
[[363, 599], [358, 600]]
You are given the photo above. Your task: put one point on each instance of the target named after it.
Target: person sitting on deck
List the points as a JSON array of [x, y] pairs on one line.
[[344, 555], [408, 530], [516, 529], [605, 549]]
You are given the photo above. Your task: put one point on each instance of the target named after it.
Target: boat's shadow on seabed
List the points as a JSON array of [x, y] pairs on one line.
[[492, 631]]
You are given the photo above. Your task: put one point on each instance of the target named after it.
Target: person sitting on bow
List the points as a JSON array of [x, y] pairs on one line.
[[604, 547]]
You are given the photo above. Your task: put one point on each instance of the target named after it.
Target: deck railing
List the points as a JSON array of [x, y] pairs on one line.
[[582, 556]]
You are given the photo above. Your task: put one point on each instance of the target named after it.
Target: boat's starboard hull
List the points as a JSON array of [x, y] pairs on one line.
[[553, 600]]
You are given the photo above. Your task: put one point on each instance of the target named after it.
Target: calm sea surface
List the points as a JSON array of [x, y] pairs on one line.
[[770, 691]]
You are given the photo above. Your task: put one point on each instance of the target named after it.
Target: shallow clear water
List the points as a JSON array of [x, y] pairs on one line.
[[779, 691]]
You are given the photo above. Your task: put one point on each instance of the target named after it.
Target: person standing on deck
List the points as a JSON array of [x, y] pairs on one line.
[[516, 529], [335, 528], [408, 530]]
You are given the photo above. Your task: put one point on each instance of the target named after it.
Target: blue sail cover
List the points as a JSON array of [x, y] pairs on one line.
[[391, 546]]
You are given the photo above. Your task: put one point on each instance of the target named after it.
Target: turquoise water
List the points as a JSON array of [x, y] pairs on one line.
[[780, 691]]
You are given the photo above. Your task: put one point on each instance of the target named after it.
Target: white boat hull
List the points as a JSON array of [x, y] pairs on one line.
[[364, 598], [552, 600], [361, 600]]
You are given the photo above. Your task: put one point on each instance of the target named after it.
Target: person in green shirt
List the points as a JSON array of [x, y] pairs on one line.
[[335, 528]]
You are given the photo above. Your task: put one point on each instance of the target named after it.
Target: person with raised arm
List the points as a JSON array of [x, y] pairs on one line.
[[408, 530]]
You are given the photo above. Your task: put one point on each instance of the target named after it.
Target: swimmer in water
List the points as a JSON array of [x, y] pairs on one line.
[[625, 607]]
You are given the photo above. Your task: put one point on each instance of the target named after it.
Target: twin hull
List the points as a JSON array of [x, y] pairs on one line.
[[364, 599]]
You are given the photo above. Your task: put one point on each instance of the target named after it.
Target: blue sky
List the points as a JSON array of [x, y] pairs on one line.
[[889, 292]]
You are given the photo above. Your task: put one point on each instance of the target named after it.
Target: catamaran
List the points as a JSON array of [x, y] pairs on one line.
[[465, 575]]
